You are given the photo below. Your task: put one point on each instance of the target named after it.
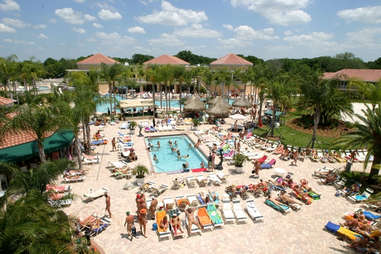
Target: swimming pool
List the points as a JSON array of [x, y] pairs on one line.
[[167, 160]]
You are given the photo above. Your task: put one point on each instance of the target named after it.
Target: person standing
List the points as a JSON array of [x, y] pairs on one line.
[[129, 221], [108, 204], [113, 142], [142, 221]]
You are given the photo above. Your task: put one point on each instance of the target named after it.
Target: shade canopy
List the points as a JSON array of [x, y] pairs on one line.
[[241, 102], [219, 100], [238, 117], [194, 104], [29, 150], [219, 109]]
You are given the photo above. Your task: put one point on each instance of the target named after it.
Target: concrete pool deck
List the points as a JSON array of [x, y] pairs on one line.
[[297, 232]]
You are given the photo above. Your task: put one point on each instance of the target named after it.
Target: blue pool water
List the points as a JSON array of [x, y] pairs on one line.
[[167, 160]]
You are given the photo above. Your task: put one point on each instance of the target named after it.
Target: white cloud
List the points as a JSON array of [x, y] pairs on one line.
[[307, 38], [89, 17], [137, 30], [17, 23], [281, 12], [96, 25], [170, 15], [248, 33], [6, 29], [40, 26], [197, 31], [42, 36], [19, 42], [228, 27], [108, 15], [318, 41], [79, 30], [79, 1], [166, 40], [9, 5], [370, 14], [288, 33], [368, 38], [146, 2], [114, 37], [72, 17]]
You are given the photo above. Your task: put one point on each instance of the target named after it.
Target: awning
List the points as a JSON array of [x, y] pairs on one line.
[[135, 103], [29, 150]]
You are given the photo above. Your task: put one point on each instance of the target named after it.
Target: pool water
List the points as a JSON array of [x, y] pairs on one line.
[[167, 160]]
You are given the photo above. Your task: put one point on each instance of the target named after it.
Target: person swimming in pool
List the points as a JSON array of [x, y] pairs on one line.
[[155, 158], [175, 142], [202, 164], [170, 142], [186, 156], [158, 144], [178, 155], [173, 149]]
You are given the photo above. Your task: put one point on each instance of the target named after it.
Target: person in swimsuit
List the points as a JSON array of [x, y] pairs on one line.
[[189, 212], [142, 221], [108, 204], [164, 224], [129, 221], [176, 224]]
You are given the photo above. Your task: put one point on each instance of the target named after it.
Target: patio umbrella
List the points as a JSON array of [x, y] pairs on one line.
[[219, 109], [195, 104], [241, 102], [238, 117]]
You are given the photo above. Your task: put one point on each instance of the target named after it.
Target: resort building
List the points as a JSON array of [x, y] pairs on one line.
[[166, 59], [95, 62], [345, 75]]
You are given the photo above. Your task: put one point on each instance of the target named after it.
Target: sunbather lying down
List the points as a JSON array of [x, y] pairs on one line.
[[189, 212], [284, 197], [357, 225]]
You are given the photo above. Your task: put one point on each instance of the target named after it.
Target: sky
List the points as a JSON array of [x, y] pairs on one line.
[[120, 28]]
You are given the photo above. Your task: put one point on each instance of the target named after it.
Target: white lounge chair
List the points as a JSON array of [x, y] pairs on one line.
[[91, 195], [253, 211], [202, 181], [222, 176], [90, 160], [228, 212], [191, 181], [169, 203], [214, 179], [73, 179], [239, 213], [193, 201]]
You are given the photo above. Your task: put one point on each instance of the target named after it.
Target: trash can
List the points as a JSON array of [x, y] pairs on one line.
[[154, 227], [348, 166]]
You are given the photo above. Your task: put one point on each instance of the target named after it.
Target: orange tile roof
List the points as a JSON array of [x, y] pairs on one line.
[[166, 59], [5, 101], [98, 59], [14, 138], [231, 59], [368, 75]]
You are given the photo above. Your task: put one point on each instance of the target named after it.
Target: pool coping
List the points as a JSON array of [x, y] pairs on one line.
[[166, 135]]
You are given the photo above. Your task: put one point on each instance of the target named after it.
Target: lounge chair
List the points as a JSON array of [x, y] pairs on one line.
[[168, 203], [361, 197], [371, 216], [158, 191], [58, 189], [227, 212], [60, 202], [222, 176], [253, 211], [214, 179], [214, 197], [268, 165], [214, 215], [191, 181], [179, 233], [281, 208], [337, 229], [193, 201], [204, 219], [90, 160], [100, 226], [159, 216], [194, 228], [91, 195], [202, 181], [239, 213], [68, 179], [182, 202]]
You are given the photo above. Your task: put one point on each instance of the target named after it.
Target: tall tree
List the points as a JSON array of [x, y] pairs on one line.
[[367, 134], [111, 74]]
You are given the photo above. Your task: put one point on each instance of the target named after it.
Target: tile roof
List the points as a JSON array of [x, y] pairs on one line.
[[368, 75], [14, 138], [166, 59], [231, 59], [5, 101], [98, 59]]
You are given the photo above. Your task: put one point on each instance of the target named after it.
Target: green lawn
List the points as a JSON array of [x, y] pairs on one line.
[[294, 137]]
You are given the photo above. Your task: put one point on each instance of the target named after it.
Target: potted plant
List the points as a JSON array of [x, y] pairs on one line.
[[195, 122], [132, 125], [239, 159], [140, 172]]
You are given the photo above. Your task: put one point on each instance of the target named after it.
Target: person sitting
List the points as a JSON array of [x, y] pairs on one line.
[[351, 190], [295, 156], [176, 223], [98, 135], [132, 156], [279, 149], [288, 199], [198, 143], [164, 224], [285, 155], [158, 144], [202, 164], [330, 178], [186, 167]]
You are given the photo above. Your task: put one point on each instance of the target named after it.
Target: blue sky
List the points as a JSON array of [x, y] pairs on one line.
[[263, 28]]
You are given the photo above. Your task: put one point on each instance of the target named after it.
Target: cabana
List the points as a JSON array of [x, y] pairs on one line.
[[136, 103]]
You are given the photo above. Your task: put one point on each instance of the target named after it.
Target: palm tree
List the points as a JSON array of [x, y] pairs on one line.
[[178, 73], [7, 70], [369, 91], [322, 98], [111, 74], [40, 120], [152, 75], [367, 134]]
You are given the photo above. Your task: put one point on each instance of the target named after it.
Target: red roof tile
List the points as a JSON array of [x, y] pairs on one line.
[[5, 101], [166, 59], [231, 59], [98, 59], [15, 138], [368, 75]]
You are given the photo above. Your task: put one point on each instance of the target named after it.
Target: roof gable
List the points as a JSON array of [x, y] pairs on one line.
[[166, 59], [368, 75], [231, 59], [98, 59]]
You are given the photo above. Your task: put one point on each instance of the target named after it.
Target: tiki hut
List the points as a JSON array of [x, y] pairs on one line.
[[219, 109], [241, 102], [194, 104]]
